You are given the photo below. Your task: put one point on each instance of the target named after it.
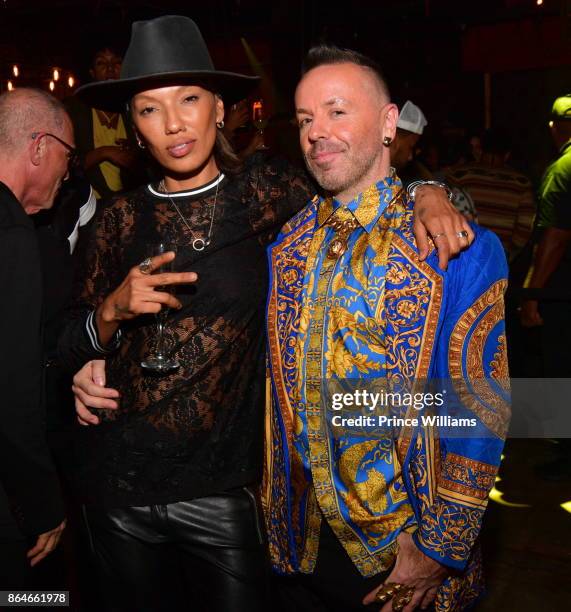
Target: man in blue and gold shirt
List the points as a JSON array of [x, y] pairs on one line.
[[375, 518]]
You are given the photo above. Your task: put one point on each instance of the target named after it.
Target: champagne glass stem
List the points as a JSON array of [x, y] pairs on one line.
[[160, 336], [159, 360]]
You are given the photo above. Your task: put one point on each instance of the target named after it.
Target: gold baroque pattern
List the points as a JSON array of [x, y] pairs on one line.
[[367, 499], [499, 364], [274, 484], [459, 592], [467, 476], [280, 350], [423, 289], [450, 530], [410, 346], [473, 328]]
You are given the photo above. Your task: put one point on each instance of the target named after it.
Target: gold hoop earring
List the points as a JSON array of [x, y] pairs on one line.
[[140, 144], [387, 141]]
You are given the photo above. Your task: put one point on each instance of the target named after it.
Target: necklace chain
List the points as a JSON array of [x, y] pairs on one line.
[[198, 243]]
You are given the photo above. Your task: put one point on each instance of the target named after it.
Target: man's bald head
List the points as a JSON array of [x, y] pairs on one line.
[[36, 141], [25, 111]]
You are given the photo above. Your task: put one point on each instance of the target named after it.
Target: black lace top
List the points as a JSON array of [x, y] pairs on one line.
[[197, 430]]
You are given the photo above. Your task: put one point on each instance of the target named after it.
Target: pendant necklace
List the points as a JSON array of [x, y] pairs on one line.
[[198, 243], [338, 244], [343, 229]]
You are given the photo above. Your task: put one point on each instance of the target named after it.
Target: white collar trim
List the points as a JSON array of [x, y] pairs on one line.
[[190, 192]]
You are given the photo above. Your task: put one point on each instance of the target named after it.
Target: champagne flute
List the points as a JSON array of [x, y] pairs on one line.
[[158, 360], [260, 119]]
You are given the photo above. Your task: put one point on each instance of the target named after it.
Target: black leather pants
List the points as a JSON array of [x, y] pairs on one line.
[[203, 555]]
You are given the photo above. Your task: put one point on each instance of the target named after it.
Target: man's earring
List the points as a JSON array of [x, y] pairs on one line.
[[220, 124], [387, 141]]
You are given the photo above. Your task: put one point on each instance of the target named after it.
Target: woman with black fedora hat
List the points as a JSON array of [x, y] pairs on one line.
[[168, 475]]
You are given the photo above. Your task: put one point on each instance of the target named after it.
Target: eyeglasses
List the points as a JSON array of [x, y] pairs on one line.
[[72, 154]]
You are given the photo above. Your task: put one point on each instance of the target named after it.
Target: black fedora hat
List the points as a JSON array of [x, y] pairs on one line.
[[165, 51]]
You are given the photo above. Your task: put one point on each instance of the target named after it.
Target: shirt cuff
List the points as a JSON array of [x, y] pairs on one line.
[[91, 328]]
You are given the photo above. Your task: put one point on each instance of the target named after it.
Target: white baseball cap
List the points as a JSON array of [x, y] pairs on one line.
[[411, 118]]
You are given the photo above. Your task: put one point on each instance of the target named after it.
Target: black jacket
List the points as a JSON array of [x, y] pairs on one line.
[[27, 473]]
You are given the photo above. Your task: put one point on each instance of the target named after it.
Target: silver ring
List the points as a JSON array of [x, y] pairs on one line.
[[145, 266], [462, 234], [438, 236]]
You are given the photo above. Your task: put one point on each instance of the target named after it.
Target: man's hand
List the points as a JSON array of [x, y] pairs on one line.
[[547, 257], [90, 392], [529, 314], [256, 144], [121, 156], [45, 544], [436, 216], [412, 569], [236, 116]]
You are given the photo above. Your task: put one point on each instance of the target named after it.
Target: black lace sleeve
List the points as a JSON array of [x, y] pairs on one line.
[[279, 190], [98, 272]]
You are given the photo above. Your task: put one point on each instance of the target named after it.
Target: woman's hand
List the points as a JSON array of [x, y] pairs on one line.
[[140, 293], [435, 216], [90, 392]]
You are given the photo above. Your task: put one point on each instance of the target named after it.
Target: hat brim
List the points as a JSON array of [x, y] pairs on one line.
[[113, 95]]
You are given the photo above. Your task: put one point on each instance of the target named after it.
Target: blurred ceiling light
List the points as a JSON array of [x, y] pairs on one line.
[[70, 81], [254, 61], [52, 85], [539, 2], [56, 74], [10, 86], [15, 70]]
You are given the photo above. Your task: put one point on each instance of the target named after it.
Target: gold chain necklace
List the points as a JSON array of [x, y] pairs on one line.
[[198, 242]]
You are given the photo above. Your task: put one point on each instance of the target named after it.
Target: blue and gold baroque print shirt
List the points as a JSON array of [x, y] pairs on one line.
[[349, 301], [350, 480]]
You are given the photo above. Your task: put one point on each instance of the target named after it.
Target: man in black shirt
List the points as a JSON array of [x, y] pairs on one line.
[[36, 141]]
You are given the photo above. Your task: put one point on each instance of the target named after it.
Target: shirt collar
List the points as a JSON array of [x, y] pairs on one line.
[[368, 206], [565, 147], [203, 190]]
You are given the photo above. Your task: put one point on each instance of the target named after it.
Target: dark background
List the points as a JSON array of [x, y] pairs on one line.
[[434, 52]]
